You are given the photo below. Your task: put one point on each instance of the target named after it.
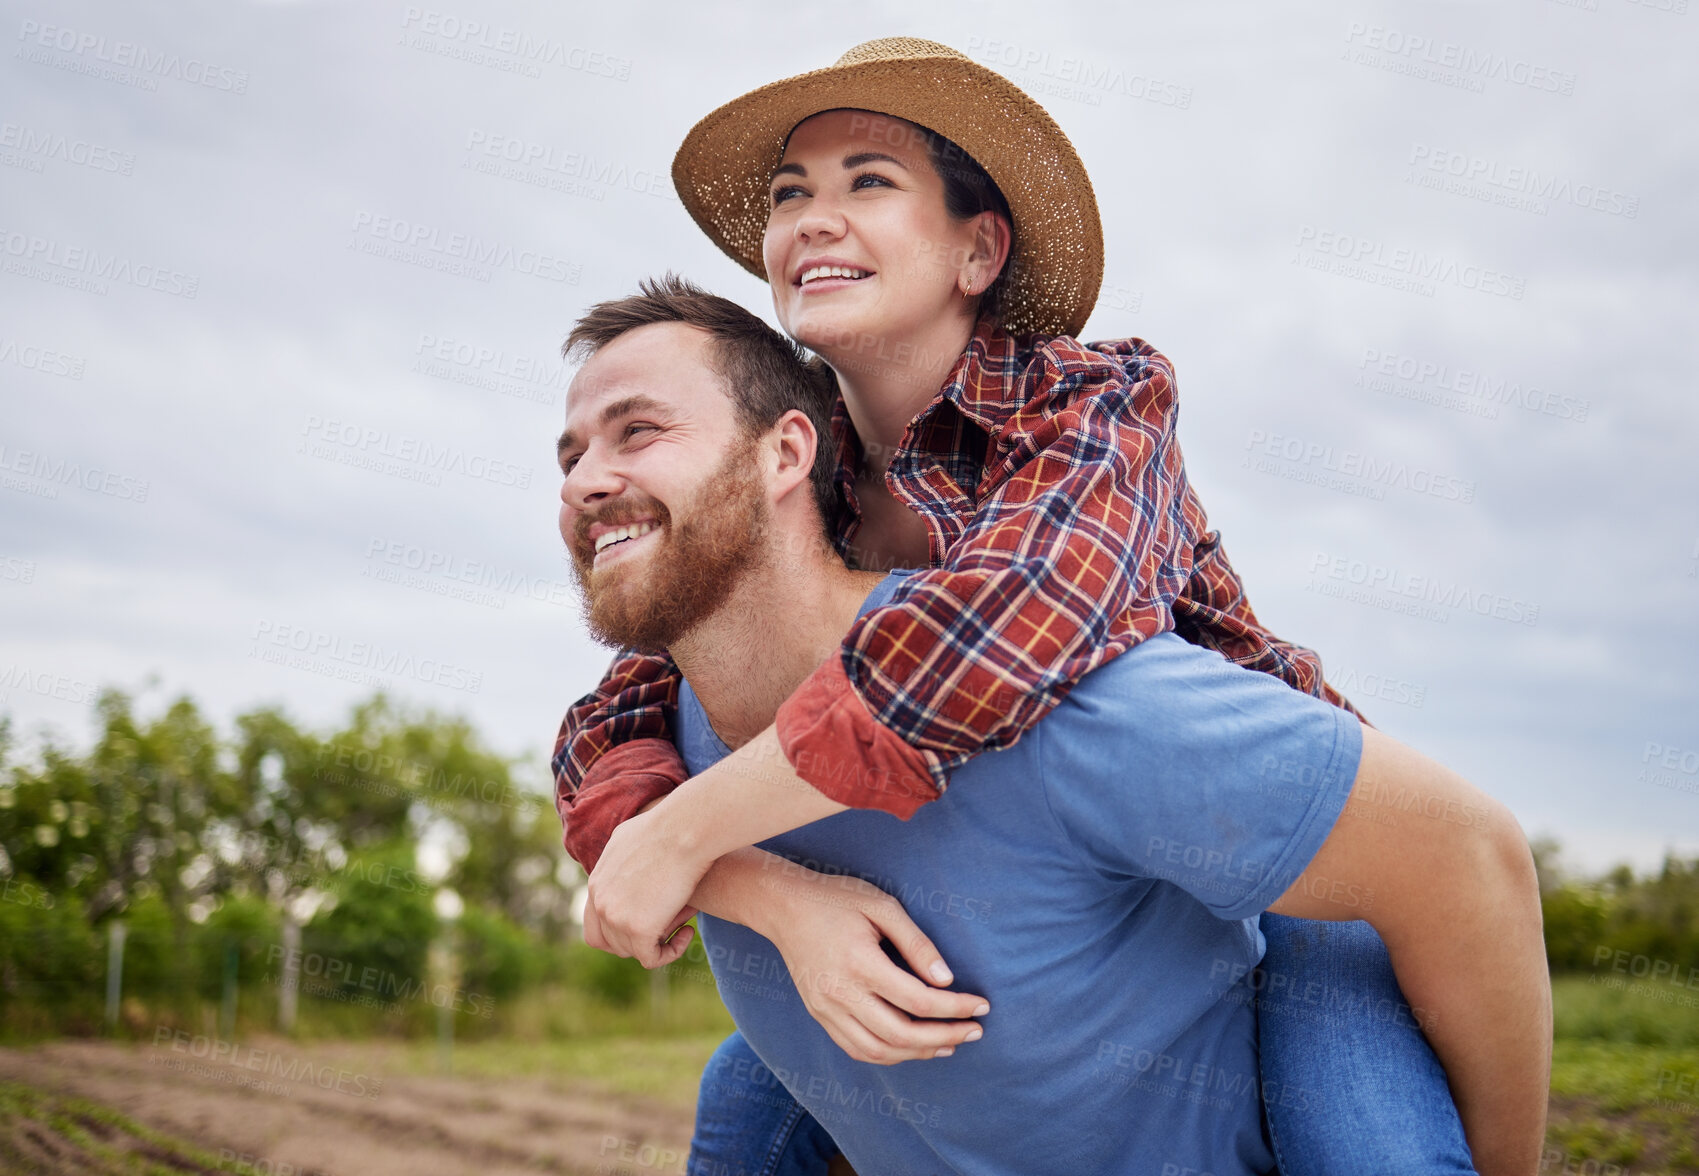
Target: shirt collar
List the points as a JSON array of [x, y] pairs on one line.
[[982, 385]]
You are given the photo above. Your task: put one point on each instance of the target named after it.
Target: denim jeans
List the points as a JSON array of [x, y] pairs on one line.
[[1350, 1085], [747, 1123]]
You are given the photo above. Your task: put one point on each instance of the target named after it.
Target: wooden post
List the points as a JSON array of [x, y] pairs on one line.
[[659, 991], [227, 1006], [115, 933], [291, 984], [440, 969]]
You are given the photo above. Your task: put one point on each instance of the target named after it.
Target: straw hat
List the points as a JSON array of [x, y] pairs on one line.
[[724, 168]]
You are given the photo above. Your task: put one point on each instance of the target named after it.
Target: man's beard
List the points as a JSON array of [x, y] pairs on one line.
[[692, 570]]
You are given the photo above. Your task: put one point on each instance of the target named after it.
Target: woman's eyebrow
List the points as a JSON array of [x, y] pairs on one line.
[[854, 161], [850, 163]]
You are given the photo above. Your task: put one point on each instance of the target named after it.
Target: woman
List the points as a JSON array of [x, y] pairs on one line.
[[1039, 480]]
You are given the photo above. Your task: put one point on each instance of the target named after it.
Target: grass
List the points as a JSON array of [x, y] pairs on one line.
[[668, 1069], [45, 1134], [1625, 1074], [1641, 1013], [1625, 1080], [646, 1049]]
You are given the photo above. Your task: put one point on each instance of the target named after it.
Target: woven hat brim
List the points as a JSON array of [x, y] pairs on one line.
[[724, 168]]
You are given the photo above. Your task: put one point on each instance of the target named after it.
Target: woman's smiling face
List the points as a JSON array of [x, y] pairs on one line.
[[860, 250]]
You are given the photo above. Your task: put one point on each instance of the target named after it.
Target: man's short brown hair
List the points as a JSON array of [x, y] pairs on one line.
[[763, 372]]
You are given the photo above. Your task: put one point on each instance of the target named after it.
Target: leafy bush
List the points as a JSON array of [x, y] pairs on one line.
[[1654, 919], [253, 928], [47, 946], [498, 958], [612, 978], [378, 934], [1575, 918], [159, 957]]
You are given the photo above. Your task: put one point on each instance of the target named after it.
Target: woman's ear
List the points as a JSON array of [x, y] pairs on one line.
[[991, 239]]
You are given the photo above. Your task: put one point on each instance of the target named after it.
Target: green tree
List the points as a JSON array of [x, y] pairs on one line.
[[380, 918]]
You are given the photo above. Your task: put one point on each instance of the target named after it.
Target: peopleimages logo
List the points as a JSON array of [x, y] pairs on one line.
[[1412, 265], [267, 1062], [535, 160], [492, 369], [391, 775], [358, 661], [1407, 377], [1383, 687], [455, 569], [1423, 596], [42, 359], [474, 41], [129, 55], [1367, 471], [386, 986], [402, 455], [57, 686], [1065, 71], [1464, 65], [1522, 181], [427, 245], [52, 472], [44, 145], [1670, 767], [37, 257]]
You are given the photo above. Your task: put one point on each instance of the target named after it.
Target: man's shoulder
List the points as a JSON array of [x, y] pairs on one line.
[[1168, 687], [1148, 665]]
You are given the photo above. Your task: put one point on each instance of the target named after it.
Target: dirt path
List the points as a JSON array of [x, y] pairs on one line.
[[274, 1107], [284, 1109]]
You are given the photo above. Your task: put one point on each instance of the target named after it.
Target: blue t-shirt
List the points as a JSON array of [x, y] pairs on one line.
[[1099, 883]]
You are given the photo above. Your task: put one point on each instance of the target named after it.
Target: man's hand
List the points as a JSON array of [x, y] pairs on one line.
[[829, 928], [639, 893]]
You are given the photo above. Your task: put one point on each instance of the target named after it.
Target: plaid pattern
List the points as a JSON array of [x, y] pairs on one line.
[[1048, 473]]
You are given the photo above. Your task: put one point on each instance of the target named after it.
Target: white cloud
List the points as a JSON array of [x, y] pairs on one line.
[[347, 115]]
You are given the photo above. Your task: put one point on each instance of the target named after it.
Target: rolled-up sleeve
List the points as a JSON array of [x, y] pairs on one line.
[[614, 752]]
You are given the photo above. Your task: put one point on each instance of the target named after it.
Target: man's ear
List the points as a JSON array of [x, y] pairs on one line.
[[795, 443]]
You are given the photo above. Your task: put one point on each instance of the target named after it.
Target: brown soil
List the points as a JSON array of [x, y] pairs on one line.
[[306, 1110]]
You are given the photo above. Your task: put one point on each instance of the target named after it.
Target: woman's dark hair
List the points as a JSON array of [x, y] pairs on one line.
[[968, 191]]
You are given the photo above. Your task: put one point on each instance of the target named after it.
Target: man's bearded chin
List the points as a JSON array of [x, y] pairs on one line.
[[693, 569]]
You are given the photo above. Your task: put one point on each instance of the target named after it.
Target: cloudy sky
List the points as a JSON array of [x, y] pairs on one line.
[[1428, 273]]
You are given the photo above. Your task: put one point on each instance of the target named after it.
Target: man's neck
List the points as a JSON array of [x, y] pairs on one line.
[[782, 620]]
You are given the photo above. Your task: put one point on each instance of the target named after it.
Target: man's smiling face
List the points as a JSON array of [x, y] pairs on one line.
[[662, 498]]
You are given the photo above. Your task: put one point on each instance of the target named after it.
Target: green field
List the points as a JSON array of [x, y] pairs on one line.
[[1625, 1081]]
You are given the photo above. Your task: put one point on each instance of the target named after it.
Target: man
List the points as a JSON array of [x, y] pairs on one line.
[[1119, 857]]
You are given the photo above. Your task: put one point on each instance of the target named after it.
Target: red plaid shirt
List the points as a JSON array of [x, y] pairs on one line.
[[1063, 531]]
